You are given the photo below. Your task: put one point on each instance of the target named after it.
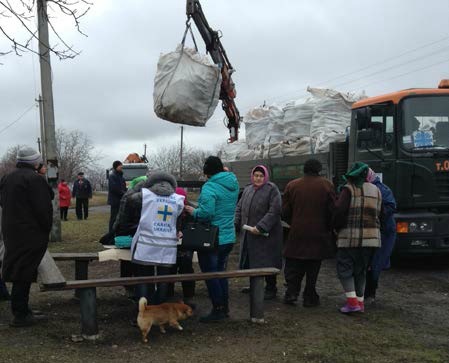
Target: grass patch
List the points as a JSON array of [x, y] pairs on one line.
[[82, 236], [98, 199]]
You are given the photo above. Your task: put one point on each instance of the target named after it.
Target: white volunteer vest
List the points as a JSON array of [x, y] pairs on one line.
[[155, 241]]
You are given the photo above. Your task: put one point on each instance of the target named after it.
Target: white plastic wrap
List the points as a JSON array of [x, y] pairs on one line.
[[186, 87], [258, 124], [297, 120], [239, 150], [331, 117], [297, 128]]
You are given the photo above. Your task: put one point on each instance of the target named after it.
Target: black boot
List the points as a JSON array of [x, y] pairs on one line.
[[4, 294], [217, 313], [270, 294], [311, 300]]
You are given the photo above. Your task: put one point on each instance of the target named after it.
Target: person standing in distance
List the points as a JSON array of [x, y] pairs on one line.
[[26, 223], [82, 191], [116, 190]]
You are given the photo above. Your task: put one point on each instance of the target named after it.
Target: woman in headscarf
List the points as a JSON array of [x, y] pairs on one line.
[[381, 259], [260, 209], [356, 220]]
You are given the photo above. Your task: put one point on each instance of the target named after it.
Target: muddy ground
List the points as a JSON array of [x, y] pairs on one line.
[[408, 323]]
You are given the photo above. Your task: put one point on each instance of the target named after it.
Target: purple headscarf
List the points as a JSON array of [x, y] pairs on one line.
[[264, 171]]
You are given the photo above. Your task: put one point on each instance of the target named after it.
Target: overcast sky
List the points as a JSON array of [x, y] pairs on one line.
[[278, 48]]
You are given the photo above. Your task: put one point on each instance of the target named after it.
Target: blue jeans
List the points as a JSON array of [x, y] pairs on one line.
[[214, 262]]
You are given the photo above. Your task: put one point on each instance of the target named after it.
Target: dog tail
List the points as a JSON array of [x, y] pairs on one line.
[[142, 304]]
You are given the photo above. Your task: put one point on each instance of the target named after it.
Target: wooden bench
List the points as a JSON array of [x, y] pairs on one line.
[[82, 260], [87, 290]]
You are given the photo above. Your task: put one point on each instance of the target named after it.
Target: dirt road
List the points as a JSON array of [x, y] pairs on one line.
[[408, 323]]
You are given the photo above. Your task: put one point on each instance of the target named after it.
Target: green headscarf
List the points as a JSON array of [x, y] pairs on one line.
[[133, 182], [357, 174]]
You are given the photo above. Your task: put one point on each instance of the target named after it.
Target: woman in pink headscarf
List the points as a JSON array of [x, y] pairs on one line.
[[261, 242]]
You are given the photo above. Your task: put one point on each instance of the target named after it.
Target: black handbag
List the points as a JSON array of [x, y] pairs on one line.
[[199, 236]]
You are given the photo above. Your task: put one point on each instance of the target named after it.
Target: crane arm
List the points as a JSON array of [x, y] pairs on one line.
[[219, 56]]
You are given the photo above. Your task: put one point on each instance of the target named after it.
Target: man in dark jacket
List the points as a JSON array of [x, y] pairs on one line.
[[117, 187], [26, 223], [82, 191], [307, 207]]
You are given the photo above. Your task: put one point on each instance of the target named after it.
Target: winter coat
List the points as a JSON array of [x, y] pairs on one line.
[[64, 195], [82, 189], [26, 222], [116, 188], [381, 259], [2, 245], [307, 207], [216, 204], [260, 208]]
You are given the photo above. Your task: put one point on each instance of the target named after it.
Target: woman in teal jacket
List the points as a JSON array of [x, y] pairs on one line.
[[216, 205]]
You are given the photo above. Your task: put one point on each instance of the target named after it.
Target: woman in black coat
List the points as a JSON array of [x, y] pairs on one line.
[[260, 209]]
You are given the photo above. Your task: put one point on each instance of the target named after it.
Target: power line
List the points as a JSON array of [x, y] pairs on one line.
[[386, 60], [445, 49], [406, 73], [371, 66], [18, 119]]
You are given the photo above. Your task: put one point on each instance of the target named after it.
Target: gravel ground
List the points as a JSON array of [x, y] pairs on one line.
[[408, 323]]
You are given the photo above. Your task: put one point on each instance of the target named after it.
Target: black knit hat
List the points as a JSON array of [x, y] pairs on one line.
[[312, 167], [212, 166], [116, 164]]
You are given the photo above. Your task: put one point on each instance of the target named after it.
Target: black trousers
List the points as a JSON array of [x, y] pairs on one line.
[[63, 211], [154, 296], [114, 212], [20, 294], [294, 272], [183, 266], [82, 205]]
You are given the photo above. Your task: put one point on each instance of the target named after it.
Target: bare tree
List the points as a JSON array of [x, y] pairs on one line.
[[9, 160], [75, 150], [23, 12], [168, 159], [76, 153], [97, 178]]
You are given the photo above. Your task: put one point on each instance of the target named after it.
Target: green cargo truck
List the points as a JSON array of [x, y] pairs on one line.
[[404, 137]]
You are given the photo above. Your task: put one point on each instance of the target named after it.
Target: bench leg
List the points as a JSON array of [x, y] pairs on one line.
[[81, 273], [256, 299], [88, 305]]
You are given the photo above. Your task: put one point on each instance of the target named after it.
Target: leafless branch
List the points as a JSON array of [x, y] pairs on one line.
[[23, 11]]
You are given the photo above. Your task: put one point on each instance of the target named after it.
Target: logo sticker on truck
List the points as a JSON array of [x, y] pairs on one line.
[[442, 165]]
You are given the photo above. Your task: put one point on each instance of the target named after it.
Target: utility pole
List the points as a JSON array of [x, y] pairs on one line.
[[42, 125], [180, 152], [49, 134]]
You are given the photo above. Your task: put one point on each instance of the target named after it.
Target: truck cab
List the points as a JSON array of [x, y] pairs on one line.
[[404, 137]]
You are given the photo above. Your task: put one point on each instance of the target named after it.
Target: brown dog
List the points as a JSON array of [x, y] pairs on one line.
[[167, 313]]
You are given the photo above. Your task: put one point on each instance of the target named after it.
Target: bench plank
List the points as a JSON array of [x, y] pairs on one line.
[[76, 256], [49, 273], [124, 281]]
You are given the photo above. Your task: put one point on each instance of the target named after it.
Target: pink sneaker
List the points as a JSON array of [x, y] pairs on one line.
[[351, 306], [362, 306]]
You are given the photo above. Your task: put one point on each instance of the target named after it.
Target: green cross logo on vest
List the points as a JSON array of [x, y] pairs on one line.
[[164, 213]]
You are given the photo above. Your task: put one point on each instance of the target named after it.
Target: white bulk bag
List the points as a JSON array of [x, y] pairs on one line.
[[186, 87]]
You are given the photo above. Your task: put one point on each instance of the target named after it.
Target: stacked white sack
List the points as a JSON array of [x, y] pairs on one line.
[[186, 87], [239, 150], [331, 117], [259, 124]]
